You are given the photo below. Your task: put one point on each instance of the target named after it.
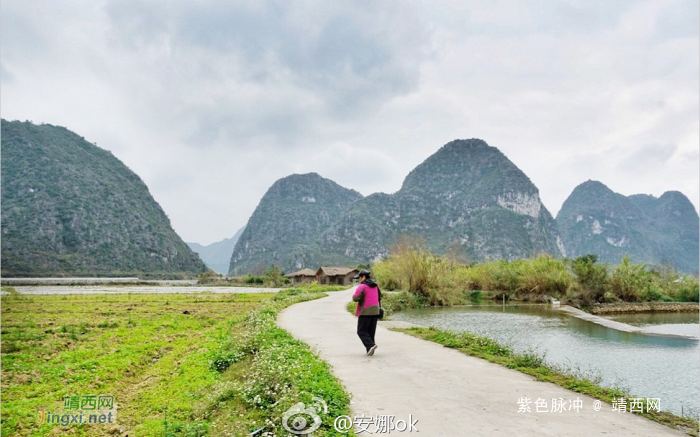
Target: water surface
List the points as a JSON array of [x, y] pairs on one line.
[[662, 323], [644, 365]]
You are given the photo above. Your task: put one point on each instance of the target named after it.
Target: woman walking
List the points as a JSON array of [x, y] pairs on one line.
[[368, 297]]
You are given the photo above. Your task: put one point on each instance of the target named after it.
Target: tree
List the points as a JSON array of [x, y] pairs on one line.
[[275, 274]]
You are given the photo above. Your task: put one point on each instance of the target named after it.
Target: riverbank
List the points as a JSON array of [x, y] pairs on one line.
[[644, 307], [447, 391], [394, 301], [534, 365], [575, 312]]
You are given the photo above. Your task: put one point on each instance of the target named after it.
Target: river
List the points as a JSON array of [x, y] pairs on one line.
[[651, 366]]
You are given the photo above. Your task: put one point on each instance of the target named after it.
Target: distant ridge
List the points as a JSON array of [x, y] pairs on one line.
[[217, 256], [596, 220]]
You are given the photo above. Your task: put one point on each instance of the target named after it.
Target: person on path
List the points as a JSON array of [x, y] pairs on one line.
[[368, 297]]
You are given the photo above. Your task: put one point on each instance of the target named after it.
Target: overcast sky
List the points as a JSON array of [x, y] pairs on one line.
[[210, 102]]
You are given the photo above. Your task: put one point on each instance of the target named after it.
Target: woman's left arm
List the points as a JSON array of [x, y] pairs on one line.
[[359, 293]]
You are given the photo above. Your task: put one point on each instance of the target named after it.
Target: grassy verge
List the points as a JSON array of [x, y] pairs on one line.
[[265, 371], [162, 358], [534, 365]]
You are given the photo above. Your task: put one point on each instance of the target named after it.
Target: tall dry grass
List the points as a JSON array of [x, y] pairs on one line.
[[440, 280], [417, 270]]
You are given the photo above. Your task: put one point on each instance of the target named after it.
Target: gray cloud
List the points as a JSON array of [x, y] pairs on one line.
[[647, 158], [210, 102], [269, 64], [5, 75]]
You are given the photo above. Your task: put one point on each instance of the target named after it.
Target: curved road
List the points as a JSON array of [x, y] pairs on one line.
[[448, 392]]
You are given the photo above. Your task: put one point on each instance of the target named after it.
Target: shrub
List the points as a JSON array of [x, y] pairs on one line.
[[386, 275], [392, 302], [630, 282], [591, 281], [543, 275], [417, 270], [685, 289]]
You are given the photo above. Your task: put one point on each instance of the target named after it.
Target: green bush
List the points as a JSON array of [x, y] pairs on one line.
[[683, 289], [257, 280], [397, 301], [591, 281], [543, 275], [631, 282], [688, 290]]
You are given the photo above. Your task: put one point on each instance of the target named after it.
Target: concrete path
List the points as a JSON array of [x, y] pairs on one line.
[[449, 393]]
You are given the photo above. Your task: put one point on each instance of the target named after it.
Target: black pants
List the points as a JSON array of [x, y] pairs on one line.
[[366, 327]]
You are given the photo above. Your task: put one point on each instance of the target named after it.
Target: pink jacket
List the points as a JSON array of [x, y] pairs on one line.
[[367, 299]]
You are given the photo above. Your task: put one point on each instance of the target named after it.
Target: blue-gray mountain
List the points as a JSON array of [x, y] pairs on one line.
[[467, 197], [70, 208], [217, 256], [596, 220]]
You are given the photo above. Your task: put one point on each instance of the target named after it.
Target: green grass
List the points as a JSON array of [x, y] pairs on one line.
[[158, 362], [265, 371], [10, 290], [534, 365]]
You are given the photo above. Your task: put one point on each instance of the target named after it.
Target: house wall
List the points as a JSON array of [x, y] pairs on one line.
[[332, 280], [347, 280], [337, 279], [302, 279]]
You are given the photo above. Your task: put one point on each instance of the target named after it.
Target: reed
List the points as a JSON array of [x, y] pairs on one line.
[[441, 280]]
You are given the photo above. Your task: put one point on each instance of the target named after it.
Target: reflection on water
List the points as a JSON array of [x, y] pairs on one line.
[[644, 365]]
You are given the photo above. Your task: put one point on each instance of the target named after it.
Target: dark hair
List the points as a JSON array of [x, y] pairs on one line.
[[365, 273]]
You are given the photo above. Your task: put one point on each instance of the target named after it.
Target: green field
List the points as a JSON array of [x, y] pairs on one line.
[[160, 356]]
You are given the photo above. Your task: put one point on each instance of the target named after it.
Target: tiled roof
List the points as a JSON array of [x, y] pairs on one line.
[[336, 271], [302, 272]]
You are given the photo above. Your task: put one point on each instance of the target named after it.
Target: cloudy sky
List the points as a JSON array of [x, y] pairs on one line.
[[210, 102]]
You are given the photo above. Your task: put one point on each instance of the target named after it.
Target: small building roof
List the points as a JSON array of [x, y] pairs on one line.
[[302, 272], [335, 271]]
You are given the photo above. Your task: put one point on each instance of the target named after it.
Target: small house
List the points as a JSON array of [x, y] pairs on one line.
[[336, 275], [302, 276]]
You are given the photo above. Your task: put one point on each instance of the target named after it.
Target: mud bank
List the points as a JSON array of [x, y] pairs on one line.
[[645, 307]]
